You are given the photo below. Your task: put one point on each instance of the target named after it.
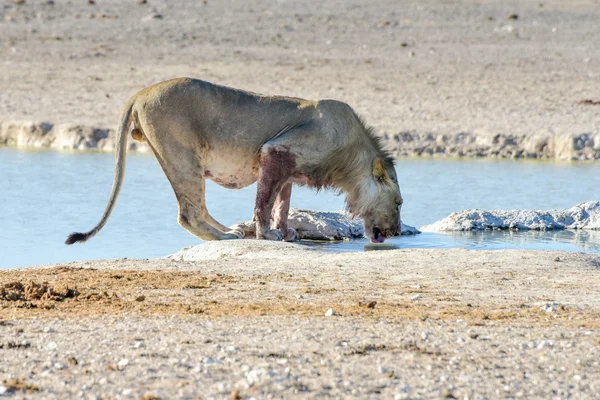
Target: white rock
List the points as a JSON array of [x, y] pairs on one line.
[[49, 329], [256, 376], [329, 312], [123, 363], [545, 343], [582, 216], [60, 365], [323, 225], [3, 390], [51, 346]]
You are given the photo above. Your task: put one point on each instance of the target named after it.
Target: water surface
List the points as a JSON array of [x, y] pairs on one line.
[[46, 195]]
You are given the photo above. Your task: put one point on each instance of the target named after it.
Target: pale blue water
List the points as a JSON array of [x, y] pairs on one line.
[[46, 195]]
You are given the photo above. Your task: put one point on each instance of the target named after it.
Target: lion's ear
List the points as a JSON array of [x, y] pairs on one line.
[[379, 172]]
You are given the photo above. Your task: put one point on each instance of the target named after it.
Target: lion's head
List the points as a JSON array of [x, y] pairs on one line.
[[382, 215]]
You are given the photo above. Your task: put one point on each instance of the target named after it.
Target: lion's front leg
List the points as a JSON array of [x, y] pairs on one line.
[[276, 167], [281, 211]]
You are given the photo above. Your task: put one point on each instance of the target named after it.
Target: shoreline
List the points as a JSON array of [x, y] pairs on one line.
[[25, 135]]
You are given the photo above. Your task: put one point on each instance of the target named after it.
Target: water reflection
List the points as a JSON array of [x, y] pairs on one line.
[[586, 241]]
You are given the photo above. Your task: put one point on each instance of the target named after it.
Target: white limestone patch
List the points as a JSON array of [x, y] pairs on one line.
[[582, 216], [322, 225], [244, 248], [45, 135]]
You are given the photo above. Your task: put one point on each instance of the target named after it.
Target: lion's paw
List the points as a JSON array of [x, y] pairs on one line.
[[272, 234], [233, 235], [291, 236]]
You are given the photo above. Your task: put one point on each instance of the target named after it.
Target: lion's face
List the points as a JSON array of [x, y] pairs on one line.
[[383, 219]]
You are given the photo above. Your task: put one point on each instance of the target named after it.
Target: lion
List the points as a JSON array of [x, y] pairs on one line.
[[198, 130]]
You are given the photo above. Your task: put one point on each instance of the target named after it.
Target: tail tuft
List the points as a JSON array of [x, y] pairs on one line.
[[76, 237]]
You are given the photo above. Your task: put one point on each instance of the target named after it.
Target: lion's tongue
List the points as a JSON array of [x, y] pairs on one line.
[[379, 239]]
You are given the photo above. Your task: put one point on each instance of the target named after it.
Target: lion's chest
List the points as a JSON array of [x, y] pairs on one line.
[[232, 172]]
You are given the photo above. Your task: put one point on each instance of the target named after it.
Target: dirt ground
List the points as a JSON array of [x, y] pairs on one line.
[[404, 324], [470, 69]]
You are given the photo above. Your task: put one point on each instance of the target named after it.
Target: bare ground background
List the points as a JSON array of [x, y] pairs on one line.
[[478, 78]]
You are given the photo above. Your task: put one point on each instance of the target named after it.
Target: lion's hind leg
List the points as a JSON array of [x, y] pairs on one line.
[[185, 172]]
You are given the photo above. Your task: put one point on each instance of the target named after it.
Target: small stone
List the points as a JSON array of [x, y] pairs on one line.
[[86, 387], [513, 16], [330, 313], [556, 259], [51, 346], [48, 329], [140, 298], [72, 361], [151, 17], [103, 381], [3, 390], [416, 297], [545, 343], [59, 365], [425, 335], [122, 364], [127, 392], [139, 345]]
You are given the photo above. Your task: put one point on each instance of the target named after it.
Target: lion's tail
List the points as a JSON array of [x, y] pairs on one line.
[[120, 161]]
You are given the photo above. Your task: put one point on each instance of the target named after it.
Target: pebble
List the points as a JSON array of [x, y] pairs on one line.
[[3, 389], [123, 363], [330, 312], [51, 346], [60, 365], [152, 16], [545, 343], [49, 329], [416, 297]]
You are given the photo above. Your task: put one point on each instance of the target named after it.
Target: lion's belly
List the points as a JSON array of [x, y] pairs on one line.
[[231, 172]]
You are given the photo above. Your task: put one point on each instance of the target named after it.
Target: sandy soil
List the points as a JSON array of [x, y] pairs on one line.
[[521, 70], [405, 324]]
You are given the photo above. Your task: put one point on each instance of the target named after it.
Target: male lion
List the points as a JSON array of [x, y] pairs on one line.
[[199, 130]]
